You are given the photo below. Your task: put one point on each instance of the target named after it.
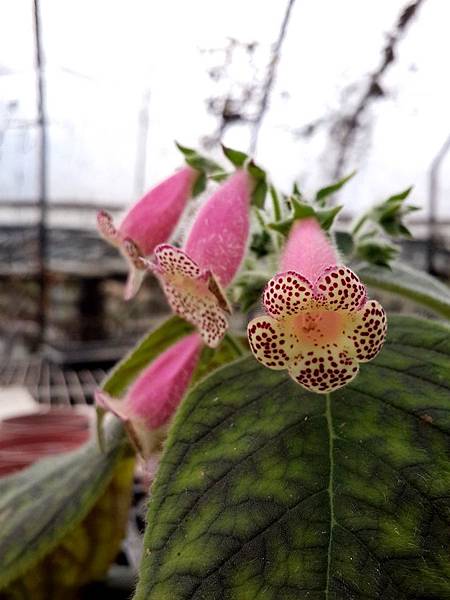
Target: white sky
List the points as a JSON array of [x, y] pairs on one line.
[[102, 56]]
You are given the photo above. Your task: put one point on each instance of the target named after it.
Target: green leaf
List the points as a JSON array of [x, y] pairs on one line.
[[248, 291], [325, 192], [268, 492], [400, 196], [409, 283], [261, 243], [42, 504], [236, 157], [344, 242]]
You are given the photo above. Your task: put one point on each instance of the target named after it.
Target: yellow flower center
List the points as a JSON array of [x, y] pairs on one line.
[[318, 327]]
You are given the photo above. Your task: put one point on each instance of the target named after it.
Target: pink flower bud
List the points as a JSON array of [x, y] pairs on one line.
[[194, 278], [149, 222], [155, 394], [319, 324], [308, 250], [218, 239]]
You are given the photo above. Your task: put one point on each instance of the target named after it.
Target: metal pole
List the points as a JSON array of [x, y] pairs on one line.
[[43, 175], [433, 194], [141, 148]]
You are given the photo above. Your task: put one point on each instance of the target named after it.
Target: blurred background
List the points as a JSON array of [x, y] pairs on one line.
[[93, 95]]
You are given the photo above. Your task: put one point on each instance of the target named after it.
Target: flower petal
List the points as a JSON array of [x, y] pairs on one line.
[[324, 369], [269, 342], [368, 330], [106, 228], [173, 261], [288, 294], [199, 309], [338, 288], [194, 295]]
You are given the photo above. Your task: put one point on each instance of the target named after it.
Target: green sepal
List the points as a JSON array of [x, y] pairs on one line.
[[200, 184], [200, 163], [326, 216], [236, 157], [296, 190], [327, 191], [303, 210], [389, 214], [375, 252], [260, 190], [219, 176]]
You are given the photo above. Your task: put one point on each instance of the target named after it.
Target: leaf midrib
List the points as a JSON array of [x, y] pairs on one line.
[[330, 488]]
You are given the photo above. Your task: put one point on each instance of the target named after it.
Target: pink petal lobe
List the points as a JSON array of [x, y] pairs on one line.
[[152, 219], [218, 238], [269, 342], [156, 393], [173, 261], [106, 228], [118, 407], [134, 282], [287, 294], [368, 330], [339, 289], [308, 250], [324, 369], [199, 309]]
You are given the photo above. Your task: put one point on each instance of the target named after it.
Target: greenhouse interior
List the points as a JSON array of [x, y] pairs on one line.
[[224, 300]]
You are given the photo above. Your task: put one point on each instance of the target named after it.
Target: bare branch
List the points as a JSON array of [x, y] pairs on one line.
[[347, 126], [270, 77]]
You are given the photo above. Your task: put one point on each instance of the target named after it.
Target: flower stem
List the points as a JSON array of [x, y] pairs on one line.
[[359, 224], [235, 344]]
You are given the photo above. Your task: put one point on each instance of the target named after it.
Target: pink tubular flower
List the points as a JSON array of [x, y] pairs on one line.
[[149, 222], [320, 324], [194, 278], [154, 396]]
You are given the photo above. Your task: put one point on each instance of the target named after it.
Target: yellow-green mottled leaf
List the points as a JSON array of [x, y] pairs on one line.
[[269, 492]]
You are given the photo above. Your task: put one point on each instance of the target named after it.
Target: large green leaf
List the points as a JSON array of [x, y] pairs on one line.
[[268, 492], [410, 283], [43, 503]]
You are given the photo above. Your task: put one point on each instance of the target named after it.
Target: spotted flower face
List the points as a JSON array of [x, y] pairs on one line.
[[319, 331], [149, 222], [194, 279], [192, 293]]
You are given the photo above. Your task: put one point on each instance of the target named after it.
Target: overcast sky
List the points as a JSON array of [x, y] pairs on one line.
[[103, 56]]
